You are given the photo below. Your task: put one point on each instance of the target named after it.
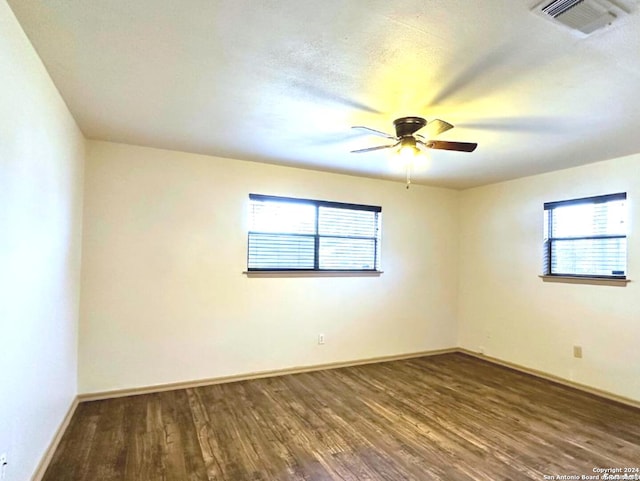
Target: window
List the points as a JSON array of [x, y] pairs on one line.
[[312, 235], [586, 237]]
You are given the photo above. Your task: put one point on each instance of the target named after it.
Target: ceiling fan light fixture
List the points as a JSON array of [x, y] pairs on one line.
[[408, 148], [408, 152]]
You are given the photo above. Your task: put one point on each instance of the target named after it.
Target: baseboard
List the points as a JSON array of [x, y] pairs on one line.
[[44, 463], [53, 445], [551, 377], [98, 396]]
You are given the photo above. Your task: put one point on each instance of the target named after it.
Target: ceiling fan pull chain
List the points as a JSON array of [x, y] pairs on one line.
[[409, 174]]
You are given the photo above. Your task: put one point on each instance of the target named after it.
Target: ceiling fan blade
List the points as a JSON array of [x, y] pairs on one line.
[[370, 149], [436, 127], [374, 131], [457, 146]]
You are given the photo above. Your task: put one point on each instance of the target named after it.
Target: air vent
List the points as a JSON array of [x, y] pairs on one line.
[[584, 16], [560, 6]]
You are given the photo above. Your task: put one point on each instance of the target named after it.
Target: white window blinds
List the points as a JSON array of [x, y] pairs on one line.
[[586, 237], [300, 234]]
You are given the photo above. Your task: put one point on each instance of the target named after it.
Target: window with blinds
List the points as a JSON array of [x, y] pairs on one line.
[[312, 235], [586, 237]]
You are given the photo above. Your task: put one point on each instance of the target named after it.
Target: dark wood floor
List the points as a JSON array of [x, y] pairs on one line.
[[450, 417]]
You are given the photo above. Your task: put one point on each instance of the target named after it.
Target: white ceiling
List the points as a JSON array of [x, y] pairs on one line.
[[282, 81]]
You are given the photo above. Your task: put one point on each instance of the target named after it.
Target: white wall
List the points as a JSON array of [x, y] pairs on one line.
[[164, 297], [504, 306], [41, 162]]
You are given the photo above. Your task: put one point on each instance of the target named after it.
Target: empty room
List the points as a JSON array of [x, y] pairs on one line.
[[287, 240]]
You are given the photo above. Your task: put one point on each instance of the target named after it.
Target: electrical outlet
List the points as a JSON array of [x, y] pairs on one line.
[[320, 338], [577, 352], [3, 465]]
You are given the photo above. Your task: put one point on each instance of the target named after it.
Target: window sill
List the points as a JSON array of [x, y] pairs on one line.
[[312, 273], [598, 281]]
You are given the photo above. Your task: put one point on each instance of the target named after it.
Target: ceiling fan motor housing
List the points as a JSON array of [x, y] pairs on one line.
[[406, 126]]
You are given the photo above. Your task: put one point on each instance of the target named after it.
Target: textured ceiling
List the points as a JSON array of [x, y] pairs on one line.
[[282, 81]]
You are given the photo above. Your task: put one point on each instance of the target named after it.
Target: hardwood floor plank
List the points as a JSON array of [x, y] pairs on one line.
[[450, 417], [209, 446], [78, 439], [194, 466], [105, 458]]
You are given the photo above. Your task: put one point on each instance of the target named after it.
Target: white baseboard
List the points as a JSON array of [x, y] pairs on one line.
[[53, 445], [97, 396], [557, 379]]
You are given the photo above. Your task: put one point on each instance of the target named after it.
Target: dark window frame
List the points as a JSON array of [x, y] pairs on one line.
[[317, 236], [549, 241]]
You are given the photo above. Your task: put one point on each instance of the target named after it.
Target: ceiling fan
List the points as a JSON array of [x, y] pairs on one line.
[[406, 136], [409, 142]]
